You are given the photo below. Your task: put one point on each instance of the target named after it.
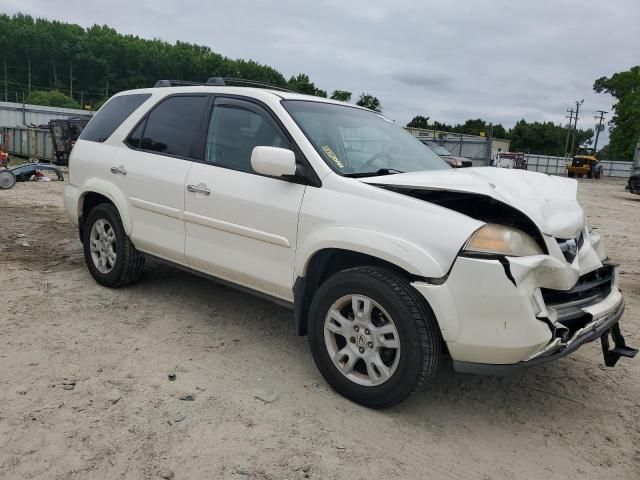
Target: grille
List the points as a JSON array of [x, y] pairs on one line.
[[591, 288]]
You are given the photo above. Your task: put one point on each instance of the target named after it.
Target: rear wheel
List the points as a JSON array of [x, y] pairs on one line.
[[373, 337], [112, 259], [571, 174]]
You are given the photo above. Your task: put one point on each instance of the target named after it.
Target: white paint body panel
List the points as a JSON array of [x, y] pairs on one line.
[[245, 231], [551, 202], [261, 232]]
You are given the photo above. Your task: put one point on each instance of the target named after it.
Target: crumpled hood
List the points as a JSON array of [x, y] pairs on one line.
[[549, 201]]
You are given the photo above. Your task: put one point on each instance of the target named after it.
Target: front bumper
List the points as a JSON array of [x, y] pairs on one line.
[[598, 329], [500, 316]]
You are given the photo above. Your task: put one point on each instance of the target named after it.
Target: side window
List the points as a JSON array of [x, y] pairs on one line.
[[111, 116], [173, 126], [136, 135], [235, 129]]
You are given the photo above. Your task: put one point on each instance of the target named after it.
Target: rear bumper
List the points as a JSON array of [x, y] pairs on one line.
[[71, 200]]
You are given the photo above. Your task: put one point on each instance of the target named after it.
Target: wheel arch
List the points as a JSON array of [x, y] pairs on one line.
[[327, 261], [97, 192]]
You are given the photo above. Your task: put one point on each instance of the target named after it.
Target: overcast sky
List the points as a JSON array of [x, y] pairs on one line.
[[500, 60]]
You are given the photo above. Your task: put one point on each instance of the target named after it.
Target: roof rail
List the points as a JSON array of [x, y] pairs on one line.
[[175, 83], [253, 83], [220, 82]]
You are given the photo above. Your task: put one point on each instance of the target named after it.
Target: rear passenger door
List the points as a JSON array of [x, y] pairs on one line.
[[153, 170], [241, 226]]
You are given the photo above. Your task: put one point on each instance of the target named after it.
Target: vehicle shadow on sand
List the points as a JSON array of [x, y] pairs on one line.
[[572, 387]]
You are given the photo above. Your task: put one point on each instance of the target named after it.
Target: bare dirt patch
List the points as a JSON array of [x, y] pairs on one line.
[[85, 387]]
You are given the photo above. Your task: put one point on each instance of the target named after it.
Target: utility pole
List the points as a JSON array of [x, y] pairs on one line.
[[6, 95], [71, 79], [569, 128], [599, 128], [106, 90], [81, 100], [575, 126]]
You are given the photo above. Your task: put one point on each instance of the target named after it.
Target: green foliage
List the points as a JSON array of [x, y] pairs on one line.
[[470, 127], [625, 124], [419, 121], [103, 61], [544, 138], [341, 95], [370, 102], [51, 98], [301, 83]]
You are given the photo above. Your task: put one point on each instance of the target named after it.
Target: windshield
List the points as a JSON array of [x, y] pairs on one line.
[[440, 150], [356, 142]]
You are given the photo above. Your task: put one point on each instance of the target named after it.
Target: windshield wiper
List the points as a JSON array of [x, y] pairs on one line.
[[382, 171]]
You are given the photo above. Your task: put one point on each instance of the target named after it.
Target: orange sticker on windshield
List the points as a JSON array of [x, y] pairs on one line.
[[327, 150]]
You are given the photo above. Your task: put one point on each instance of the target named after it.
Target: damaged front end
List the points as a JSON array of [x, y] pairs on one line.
[[502, 312], [589, 311]]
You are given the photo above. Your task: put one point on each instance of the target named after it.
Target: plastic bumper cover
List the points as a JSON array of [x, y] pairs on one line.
[[598, 328]]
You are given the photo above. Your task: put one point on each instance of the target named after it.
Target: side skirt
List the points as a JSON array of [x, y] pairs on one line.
[[221, 281]]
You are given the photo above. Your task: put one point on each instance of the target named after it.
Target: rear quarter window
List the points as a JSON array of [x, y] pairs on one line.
[[111, 116]]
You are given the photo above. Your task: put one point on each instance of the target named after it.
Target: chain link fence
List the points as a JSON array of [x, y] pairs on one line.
[[558, 166]]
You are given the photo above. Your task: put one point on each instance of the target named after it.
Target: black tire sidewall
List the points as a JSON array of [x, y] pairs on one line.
[[10, 175], [407, 374], [110, 214]]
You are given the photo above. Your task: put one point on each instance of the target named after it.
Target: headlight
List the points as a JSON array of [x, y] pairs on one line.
[[502, 240]]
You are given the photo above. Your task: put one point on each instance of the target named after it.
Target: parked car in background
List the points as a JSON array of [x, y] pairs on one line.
[[392, 261], [452, 160], [633, 184]]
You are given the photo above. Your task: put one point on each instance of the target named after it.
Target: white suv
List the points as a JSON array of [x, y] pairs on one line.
[[391, 261]]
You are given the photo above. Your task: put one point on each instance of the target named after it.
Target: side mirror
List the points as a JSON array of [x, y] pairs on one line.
[[273, 161]]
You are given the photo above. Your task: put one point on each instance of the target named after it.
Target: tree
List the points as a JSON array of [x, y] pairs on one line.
[[53, 98], [341, 95], [97, 62], [625, 123], [301, 83], [419, 121], [370, 102], [544, 138]]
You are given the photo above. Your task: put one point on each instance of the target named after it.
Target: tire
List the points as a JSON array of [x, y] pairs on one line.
[[123, 263], [7, 179], [410, 366], [571, 174]]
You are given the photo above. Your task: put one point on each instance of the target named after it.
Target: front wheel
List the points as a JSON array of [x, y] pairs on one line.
[[112, 259], [373, 337]]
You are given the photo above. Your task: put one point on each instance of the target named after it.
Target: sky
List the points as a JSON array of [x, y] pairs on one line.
[[500, 60]]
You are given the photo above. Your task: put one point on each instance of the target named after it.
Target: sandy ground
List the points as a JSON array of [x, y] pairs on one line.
[[85, 393]]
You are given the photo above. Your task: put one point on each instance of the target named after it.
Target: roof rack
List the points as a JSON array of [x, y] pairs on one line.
[[220, 82], [175, 83]]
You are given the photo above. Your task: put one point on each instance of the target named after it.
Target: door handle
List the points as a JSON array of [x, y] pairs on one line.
[[200, 188], [118, 170]]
